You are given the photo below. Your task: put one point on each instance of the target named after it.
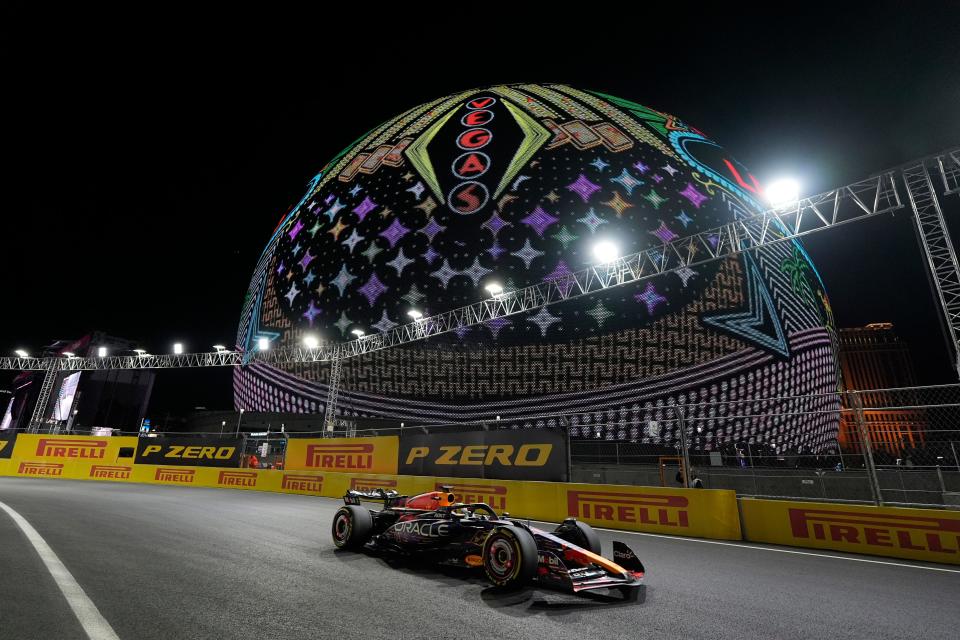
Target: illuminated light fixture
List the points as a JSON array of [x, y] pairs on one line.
[[358, 332], [494, 289], [177, 349], [101, 352], [140, 352], [70, 354], [413, 313], [21, 353], [605, 252], [311, 342], [219, 348], [782, 192], [263, 344]]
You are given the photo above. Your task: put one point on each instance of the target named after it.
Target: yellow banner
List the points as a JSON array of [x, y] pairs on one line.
[[104, 449], [343, 455], [915, 534]]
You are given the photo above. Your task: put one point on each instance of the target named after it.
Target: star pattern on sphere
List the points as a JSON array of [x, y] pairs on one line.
[[371, 252], [669, 169], [356, 189], [496, 250], [600, 313], [311, 313], [413, 296], [313, 230], [281, 268], [408, 176], [372, 289], [309, 279], [560, 271], [650, 298], [543, 319], [695, 197], [384, 324], [685, 273], [497, 325], [430, 255], [292, 293], [583, 187], [364, 208], [592, 220], [427, 206], [431, 229], [417, 191], [394, 232], [617, 203], [713, 239], [552, 197], [639, 166], [320, 289], [476, 271], [400, 262], [527, 253], [654, 198], [297, 249], [628, 181], [337, 229], [343, 279], [600, 164], [353, 240], [343, 323], [296, 229], [539, 220], [306, 260], [328, 199], [444, 273], [664, 233], [334, 209], [495, 223], [657, 178], [684, 219], [565, 237]]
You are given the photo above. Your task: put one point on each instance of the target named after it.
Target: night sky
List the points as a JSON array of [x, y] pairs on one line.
[[148, 158]]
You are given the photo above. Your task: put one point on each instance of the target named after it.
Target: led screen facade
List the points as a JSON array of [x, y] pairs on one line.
[[517, 184]]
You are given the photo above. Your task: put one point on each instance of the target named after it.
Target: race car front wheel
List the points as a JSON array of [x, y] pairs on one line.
[[351, 526], [510, 556]]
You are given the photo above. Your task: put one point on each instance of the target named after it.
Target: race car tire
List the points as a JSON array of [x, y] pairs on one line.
[[580, 534], [352, 526], [510, 556]]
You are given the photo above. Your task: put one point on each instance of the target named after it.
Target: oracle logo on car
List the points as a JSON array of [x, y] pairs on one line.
[[916, 533], [296, 482], [355, 457], [172, 474], [494, 495], [108, 472], [40, 469], [237, 479], [632, 508], [371, 484], [71, 448]]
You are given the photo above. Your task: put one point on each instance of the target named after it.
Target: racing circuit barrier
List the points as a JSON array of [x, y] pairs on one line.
[[915, 534]]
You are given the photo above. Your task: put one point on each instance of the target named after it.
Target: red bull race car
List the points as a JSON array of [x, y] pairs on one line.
[[435, 526]]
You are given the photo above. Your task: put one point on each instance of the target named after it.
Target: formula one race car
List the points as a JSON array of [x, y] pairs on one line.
[[434, 526]]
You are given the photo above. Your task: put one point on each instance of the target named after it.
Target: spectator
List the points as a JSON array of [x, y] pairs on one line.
[[697, 483]]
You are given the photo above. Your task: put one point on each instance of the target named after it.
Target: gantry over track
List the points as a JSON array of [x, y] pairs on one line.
[[864, 199]]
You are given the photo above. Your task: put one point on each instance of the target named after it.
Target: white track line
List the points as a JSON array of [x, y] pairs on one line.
[[94, 624], [761, 548]]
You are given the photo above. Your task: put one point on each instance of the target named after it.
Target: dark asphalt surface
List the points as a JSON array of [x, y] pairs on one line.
[[168, 562]]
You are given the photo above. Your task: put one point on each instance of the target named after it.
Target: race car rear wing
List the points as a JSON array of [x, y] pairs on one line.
[[389, 498]]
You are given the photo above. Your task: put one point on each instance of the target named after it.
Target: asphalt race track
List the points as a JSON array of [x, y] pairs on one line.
[[166, 562]]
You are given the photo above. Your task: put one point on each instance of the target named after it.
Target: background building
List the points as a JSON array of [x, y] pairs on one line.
[[518, 183]]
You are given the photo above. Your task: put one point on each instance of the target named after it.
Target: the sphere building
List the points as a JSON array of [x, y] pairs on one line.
[[517, 183]]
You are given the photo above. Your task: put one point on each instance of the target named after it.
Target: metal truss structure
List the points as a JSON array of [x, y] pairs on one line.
[[863, 199]]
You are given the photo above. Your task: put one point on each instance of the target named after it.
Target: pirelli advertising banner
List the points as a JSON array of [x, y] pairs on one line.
[[186, 451], [538, 454], [343, 455], [915, 534]]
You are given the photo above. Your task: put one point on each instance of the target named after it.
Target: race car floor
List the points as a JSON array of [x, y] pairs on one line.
[[168, 562]]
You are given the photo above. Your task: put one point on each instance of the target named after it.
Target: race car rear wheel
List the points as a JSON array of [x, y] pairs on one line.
[[580, 534], [351, 526], [510, 556]]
